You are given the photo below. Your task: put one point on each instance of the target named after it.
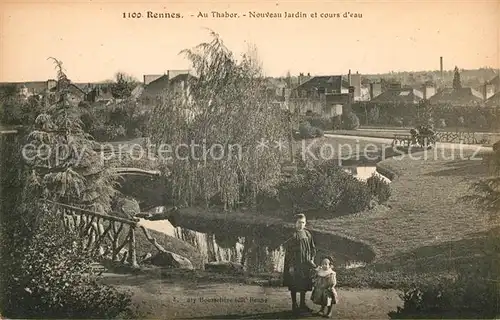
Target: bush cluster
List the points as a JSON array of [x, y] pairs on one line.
[[445, 116], [323, 190], [44, 271], [350, 121], [471, 291], [119, 121], [379, 188], [318, 121], [53, 278], [465, 297], [306, 131]]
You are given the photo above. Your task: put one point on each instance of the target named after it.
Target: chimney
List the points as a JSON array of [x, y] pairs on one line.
[[441, 67], [349, 77]]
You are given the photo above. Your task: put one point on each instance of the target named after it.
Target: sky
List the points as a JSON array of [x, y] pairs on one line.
[[94, 40]]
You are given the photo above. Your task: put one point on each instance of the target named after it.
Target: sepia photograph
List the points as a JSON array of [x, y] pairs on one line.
[[249, 159]]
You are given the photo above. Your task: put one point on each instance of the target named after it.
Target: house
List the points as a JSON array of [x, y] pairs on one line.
[[428, 89], [100, 92], [335, 103], [457, 97], [495, 82], [326, 94], [32, 88], [374, 89], [278, 91], [173, 79], [493, 101], [398, 94], [42, 88], [74, 94], [314, 87], [320, 85], [489, 88], [137, 91]]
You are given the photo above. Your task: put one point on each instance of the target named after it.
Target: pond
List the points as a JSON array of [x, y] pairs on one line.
[[364, 172], [259, 251]]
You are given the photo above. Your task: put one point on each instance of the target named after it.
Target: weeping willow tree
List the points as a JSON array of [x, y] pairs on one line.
[[225, 110], [64, 166]]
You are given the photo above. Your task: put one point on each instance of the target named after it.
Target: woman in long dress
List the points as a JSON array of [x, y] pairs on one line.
[[299, 264]]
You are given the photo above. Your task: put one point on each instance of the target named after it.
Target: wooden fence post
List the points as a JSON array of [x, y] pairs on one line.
[[132, 254]]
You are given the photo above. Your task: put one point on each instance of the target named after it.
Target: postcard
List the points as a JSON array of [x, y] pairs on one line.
[[249, 159]]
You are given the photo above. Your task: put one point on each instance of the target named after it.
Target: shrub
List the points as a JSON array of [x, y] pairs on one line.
[[53, 278], [317, 132], [337, 122], [398, 121], [379, 188], [306, 131], [323, 123], [374, 114], [471, 292], [351, 121], [464, 297]]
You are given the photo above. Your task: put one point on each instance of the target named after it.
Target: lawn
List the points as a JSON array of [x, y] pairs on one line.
[[424, 228], [423, 208]]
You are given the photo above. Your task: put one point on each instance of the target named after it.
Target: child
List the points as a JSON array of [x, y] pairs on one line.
[[324, 293], [299, 262]]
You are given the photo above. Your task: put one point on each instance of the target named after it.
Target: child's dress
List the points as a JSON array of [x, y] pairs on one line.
[[324, 293]]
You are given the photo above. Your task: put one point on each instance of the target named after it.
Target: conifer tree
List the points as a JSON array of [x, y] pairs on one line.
[[457, 84], [64, 164]]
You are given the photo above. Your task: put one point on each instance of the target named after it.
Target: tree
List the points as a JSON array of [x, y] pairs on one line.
[[123, 85], [45, 271], [457, 84], [288, 79], [227, 114], [16, 110], [64, 166]]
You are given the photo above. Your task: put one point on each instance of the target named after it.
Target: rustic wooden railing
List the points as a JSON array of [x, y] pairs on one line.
[[403, 140], [441, 136], [458, 137], [101, 234]]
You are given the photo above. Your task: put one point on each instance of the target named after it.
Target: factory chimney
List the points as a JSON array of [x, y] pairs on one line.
[[441, 66]]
